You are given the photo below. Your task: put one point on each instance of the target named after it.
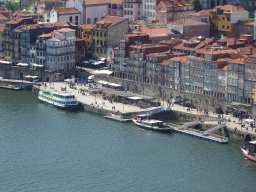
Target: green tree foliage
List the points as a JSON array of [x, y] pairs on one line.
[[197, 5], [14, 6]]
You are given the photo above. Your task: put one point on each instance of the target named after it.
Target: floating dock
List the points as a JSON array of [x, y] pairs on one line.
[[118, 119], [200, 134]]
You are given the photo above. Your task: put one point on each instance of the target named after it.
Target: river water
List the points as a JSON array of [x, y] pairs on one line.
[[47, 149]]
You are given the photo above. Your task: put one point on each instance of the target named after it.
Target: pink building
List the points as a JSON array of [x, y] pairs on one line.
[[172, 10]]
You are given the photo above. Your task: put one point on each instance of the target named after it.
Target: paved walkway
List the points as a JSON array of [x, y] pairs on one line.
[[96, 101], [89, 99]]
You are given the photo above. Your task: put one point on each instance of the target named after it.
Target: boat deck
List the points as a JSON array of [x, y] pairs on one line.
[[200, 134]]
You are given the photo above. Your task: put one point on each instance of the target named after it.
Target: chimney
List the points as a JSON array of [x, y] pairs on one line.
[[250, 50], [235, 41]]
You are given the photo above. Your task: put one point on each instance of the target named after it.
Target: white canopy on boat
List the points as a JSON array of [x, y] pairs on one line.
[[28, 76], [34, 77]]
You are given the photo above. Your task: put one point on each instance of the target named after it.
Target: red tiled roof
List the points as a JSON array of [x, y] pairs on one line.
[[66, 11], [87, 26], [53, 39], [112, 20], [188, 22], [65, 30], [202, 13], [2, 17], [96, 2], [229, 8]]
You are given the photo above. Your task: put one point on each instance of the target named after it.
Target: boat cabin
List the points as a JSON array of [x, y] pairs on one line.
[[252, 148], [153, 123]]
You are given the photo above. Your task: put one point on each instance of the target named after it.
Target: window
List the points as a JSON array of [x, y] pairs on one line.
[[97, 42], [227, 18], [223, 18], [76, 18], [109, 6], [223, 26], [227, 27], [101, 34], [105, 34], [89, 21], [97, 33], [70, 18], [95, 20]]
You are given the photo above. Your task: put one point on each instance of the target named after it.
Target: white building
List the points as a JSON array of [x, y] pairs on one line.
[[149, 9], [60, 50], [255, 24], [91, 11], [66, 14], [133, 9]]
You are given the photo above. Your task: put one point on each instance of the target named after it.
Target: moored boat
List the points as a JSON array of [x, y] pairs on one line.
[[251, 152], [154, 125], [59, 99]]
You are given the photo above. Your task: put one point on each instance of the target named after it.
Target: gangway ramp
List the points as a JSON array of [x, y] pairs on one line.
[[214, 129]]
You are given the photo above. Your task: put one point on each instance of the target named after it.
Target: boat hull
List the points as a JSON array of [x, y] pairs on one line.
[[66, 107], [247, 155], [165, 130]]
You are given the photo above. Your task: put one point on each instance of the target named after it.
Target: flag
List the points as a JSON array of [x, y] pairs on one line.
[[197, 117]]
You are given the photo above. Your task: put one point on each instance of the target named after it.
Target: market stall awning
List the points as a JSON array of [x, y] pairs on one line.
[[103, 82], [105, 72], [37, 65], [22, 64], [114, 85], [135, 98]]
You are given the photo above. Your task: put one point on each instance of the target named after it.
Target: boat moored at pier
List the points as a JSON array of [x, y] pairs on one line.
[[154, 125], [59, 99], [251, 152]]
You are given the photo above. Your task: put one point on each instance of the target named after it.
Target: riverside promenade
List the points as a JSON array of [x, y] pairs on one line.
[[88, 99]]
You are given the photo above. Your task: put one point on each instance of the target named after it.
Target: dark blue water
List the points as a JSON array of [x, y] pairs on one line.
[[47, 149]]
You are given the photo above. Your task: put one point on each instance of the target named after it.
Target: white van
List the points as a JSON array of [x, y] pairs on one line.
[[90, 78]]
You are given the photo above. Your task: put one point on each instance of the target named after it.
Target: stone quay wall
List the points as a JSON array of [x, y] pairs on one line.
[[200, 101]]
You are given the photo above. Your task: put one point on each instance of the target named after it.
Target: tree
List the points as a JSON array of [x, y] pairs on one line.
[[14, 6], [197, 5]]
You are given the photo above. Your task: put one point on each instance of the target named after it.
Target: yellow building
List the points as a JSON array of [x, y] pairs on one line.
[[250, 79], [85, 33], [223, 20], [2, 25], [107, 33]]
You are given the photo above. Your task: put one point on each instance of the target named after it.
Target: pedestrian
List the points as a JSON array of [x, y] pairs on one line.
[[246, 129]]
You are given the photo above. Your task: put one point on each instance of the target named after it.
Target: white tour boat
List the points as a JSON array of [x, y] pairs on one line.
[[154, 125], [59, 99]]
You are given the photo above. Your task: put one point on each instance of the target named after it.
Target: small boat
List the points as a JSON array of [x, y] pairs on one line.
[[154, 125], [59, 99], [251, 152]]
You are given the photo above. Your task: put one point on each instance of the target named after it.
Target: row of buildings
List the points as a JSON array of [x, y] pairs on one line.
[[218, 68]]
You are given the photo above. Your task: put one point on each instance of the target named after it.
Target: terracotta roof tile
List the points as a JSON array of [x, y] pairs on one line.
[[96, 2], [2, 17], [65, 11], [229, 8], [188, 22], [53, 39], [202, 13], [87, 26], [65, 30], [112, 20]]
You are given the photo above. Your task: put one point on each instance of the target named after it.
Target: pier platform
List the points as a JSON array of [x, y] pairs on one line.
[[200, 134], [118, 119]]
